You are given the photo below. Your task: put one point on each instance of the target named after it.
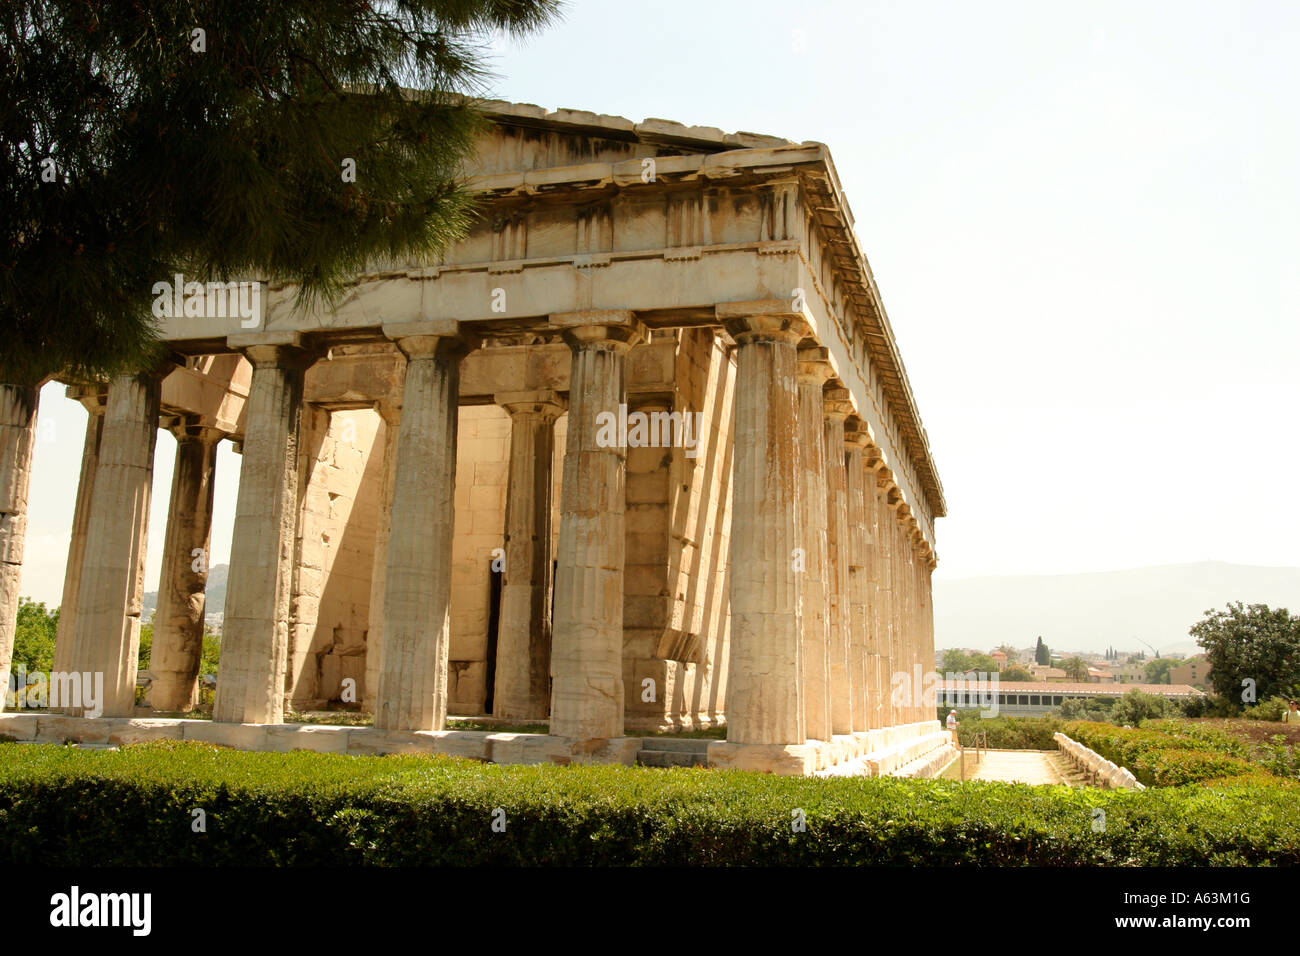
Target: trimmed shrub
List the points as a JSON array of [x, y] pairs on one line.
[[1169, 753], [133, 808], [1007, 733]]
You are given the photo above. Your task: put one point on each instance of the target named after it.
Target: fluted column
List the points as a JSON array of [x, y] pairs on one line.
[[417, 585], [897, 653], [523, 671], [837, 409], [178, 623], [856, 491], [106, 638], [18, 405], [884, 601], [764, 679], [255, 629], [587, 640], [813, 372], [94, 398], [379, 565]]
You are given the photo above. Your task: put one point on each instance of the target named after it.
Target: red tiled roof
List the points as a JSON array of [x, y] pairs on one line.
[[1068, 689]]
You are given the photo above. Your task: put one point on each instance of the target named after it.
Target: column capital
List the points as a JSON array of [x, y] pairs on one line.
[[540, 403], [814, 367], [425, 339], [611, 328], [389, 411], [762, 320], [92, 396], [273, 349], [856, 434], [838, 403], [194, 428]]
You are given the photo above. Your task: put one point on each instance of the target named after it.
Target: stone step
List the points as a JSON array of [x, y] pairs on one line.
[[670, 758], [690, 745]]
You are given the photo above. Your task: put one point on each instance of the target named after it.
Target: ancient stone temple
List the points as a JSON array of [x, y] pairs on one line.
[[639, 453]]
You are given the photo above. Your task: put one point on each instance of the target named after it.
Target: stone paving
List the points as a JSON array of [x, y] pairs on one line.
[[1015, 766]]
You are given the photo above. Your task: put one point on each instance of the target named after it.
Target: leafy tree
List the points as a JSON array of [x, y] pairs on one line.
[[1042, 655], [1016, 673], [1157, 671], [34, 636], [963, 662], [1076, 668], [1251, 643], [222, 155], [1081, 708], [221, 140], [1137, 706]]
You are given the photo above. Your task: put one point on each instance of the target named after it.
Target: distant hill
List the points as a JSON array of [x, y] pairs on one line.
[[215, 603], [1090, 612]]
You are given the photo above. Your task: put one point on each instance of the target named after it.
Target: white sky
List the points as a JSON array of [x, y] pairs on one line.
[[1084, 221]]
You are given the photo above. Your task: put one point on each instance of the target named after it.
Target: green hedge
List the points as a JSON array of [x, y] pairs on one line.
[[69, 807], [1167, 753], [1007, 733]]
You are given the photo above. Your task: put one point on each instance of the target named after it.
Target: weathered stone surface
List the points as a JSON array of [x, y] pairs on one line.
[[522, 688], [587, 641], [94, 399], [18, 725], [111, 591], [765, 685], [255, 631], [178, 623], [789, 760], [317, 738], [413, 671], [128, 731]]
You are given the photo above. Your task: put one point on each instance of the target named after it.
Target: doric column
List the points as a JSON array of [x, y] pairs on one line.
[[856, 489], [587, 641], [94, 398], [764, 679], [391, 416], [523, 673], [417, 587], [18, 404], [106, 638], [255, 629], [178, 622], [814, 370], [897, 662], [884, 601], [843, 687]]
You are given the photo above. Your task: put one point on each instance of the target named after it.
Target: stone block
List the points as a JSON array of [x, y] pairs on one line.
[[19, 726], [57, 728], [238, 736], [138, 731], [790, 760], [459, 743], [373, 741], [314, 737]]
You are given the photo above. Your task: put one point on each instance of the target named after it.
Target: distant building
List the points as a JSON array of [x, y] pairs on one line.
[[1100, 675], [1042, 672], [1194, 671], [1001, 659], [1036, 698], [1132, 673]]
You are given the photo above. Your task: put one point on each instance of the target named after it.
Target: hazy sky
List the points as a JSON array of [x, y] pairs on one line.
[[1084, 221]]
